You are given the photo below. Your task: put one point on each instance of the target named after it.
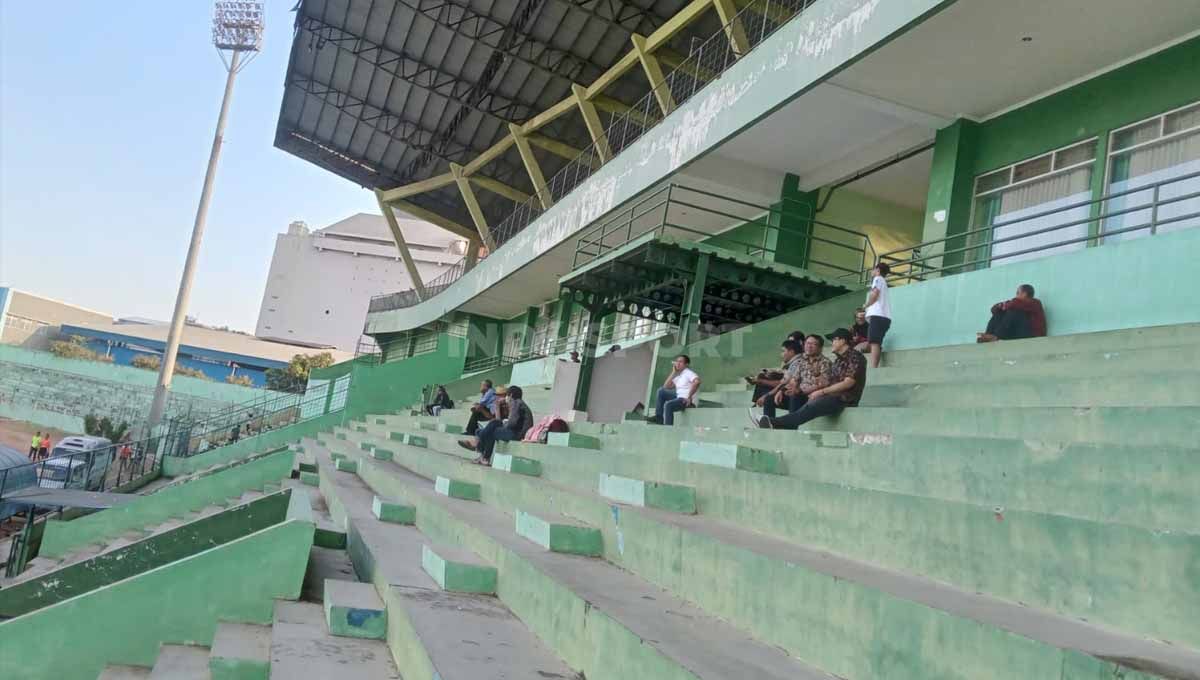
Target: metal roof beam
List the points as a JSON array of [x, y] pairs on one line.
[[417, 73], [401, 245], [389, 123]]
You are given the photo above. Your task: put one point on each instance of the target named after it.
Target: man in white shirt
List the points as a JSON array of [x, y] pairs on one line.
[[879, 311], [677, 393]]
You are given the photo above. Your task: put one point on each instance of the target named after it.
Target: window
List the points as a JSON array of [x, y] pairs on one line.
[[1152, 166], [1014, 202]]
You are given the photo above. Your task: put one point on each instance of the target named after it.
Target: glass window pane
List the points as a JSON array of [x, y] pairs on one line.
[[992, 181], [1182, 120], [1032, 168], [1080, 153], [1135, 135]]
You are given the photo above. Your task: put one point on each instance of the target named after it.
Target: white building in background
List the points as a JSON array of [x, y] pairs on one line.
[[321, 281]]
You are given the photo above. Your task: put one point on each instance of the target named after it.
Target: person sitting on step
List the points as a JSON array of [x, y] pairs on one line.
[[1020, 317], [808, 371], [441, 400], [512, 428], [847, 380], [768, 379], [860, 329], [484, 409], [677, 392]]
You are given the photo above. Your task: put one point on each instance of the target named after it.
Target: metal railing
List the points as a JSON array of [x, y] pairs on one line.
[[1114, 216], [250, 419], [672, 210], [758, 20]]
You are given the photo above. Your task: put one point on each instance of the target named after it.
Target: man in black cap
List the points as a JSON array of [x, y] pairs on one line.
[[848, 379]]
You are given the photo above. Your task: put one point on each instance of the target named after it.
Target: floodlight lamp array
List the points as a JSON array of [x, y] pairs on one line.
[[238, 25]]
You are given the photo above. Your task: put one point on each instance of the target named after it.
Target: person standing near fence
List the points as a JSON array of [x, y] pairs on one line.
[[44, 447], [33, 445]]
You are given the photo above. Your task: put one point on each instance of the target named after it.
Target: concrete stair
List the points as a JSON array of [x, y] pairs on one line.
[[181, 662], [904, 587]]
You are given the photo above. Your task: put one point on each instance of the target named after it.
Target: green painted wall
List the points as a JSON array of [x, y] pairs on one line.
[[62, 537], [1130, 284], [890, 226], [153, 552], [965, 150], [396, 385], [124, 623], [726, 358], [174, 466]]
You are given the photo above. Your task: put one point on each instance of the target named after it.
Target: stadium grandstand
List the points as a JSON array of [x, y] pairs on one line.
[[644, 186]]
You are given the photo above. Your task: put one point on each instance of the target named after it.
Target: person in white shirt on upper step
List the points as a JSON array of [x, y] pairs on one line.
[[677, 393], [879, 311]]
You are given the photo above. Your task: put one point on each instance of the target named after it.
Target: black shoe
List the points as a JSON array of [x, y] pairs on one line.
[[651, 420], [765, 423]]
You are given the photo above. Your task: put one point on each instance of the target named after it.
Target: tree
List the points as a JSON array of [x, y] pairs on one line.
[[243, 380], [152, 362], [294, 378], [103, 427], [75, 347]]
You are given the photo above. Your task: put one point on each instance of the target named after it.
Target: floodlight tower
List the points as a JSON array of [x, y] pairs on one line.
[[237, 29]]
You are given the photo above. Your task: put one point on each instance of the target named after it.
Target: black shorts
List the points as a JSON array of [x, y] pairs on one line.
[[877, 327]]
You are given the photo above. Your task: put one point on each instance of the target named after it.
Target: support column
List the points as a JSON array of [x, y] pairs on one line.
[[733, 26], [693, 303], [531, 166], [591, 118], [531, 318], [401, 245], [792, 218], [468, 194], [951, 184], [563, 321], [588, 360], [472, 254], [654, 73]]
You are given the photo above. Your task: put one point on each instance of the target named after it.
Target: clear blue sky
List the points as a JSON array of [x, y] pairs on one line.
[[107, 111]]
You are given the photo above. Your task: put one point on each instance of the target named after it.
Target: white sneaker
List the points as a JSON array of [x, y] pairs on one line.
[[754, 418]]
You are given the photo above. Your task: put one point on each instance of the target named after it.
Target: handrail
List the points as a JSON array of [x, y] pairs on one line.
[[932, 264], [757, 20]]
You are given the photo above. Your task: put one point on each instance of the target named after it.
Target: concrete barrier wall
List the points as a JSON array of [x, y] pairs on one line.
[[174, 466], [62, 537], [179, 602], [1132, 284]]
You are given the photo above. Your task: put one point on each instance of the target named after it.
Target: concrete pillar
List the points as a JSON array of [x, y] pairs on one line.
[[693, 302], [951, 184], [588, 361], [791, 222]]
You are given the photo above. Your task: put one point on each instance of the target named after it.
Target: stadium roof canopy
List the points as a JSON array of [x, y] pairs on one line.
[[389, 92]]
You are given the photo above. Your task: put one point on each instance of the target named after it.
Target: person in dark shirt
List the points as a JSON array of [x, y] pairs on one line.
[[512, 428], [860, 329], [769, 379], [441, 400], [1020, 317], [847, 381]]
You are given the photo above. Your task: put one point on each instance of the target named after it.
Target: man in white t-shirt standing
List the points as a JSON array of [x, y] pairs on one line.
[[879, 311], [677, 393]]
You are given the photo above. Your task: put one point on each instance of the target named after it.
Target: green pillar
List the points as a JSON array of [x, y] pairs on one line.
[[588, 362], [792, 223], [951, 189], [562, 322], [530, 323], [1098, 186], [693, 302]]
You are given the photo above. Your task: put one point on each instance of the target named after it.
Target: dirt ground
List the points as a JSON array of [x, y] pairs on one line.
[[17, 433]]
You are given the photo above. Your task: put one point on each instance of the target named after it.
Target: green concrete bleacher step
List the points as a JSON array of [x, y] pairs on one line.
[[1158, 426], [586, 605], [648, 494], [457, 488], [1044, 640], [732, 456], [302, 648], [240, 651], [354, 609], [346, 465], [1103, 341], [309, 478], [181, 662], [517, 465], [409, 438], [560, 534], [395, 513], [487, 640], [124, 672], [573, 440], [1167, 388], [458, 569]]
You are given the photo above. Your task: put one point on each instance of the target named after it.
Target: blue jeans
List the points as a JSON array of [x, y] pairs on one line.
[[491, 433], [668, 404]]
